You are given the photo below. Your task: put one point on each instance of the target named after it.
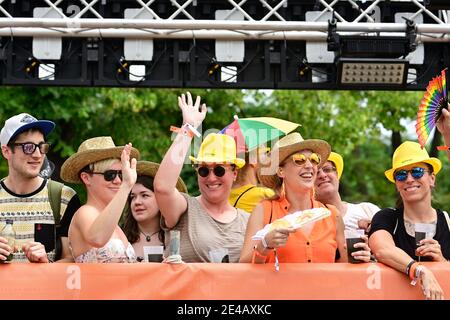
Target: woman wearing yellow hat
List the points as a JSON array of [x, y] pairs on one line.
[[392, 235], [291, 172], [208, 224]]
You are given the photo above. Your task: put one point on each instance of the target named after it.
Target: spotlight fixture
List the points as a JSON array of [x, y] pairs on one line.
[[372, 72]]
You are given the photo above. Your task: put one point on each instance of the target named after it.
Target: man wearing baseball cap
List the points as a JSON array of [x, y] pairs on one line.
[[41, 235]]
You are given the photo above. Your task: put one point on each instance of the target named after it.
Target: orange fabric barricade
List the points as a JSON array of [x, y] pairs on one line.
[[211, 281]]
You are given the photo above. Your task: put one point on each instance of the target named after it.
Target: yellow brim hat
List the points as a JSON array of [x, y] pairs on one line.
[[410, 153]]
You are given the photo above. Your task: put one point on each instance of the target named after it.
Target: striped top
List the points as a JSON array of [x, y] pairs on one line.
[[31, 212]]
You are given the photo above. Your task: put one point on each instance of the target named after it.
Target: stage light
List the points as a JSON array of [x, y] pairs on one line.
[[372, 72]]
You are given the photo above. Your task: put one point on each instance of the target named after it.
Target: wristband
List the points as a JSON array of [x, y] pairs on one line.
[[264, 243], [183, 131], [409, 267], [417, 272], [443, 148], [412, 270], [192, 129]]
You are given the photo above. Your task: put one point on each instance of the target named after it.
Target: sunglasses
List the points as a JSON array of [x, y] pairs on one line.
[[299, 159], [416, 173], [110, 175], [218, 171], [30, 147]]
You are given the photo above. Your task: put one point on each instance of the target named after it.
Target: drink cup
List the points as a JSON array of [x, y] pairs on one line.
[[351, 238], [153, 253], [424, 231]]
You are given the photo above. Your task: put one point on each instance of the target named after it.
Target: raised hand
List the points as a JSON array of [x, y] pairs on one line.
[[192, 113], [129, 174]]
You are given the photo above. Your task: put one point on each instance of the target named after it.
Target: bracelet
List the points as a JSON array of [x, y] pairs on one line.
[[443, 148], [264, 243], [409, 267], [412, 270]]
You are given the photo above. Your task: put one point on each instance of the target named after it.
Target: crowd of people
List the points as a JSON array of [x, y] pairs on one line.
[[133, 205]]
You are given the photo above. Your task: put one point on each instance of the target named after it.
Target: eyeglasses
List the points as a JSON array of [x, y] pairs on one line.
[[328, 170], [219, 171], [30, 147], [299, 159], [416, 173], [110, 175]]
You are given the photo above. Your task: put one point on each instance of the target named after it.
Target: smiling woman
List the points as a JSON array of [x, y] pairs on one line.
[[393, 231], [108, 173], [292, 172], [208, 224]]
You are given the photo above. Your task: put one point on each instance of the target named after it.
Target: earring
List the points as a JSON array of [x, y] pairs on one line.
[[282, 191]]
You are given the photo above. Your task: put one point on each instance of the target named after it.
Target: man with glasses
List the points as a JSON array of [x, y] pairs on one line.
[[25, 196], [392, 237], [355, 215]]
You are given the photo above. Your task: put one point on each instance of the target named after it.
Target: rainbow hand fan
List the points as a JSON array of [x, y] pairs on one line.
[[430, 109]]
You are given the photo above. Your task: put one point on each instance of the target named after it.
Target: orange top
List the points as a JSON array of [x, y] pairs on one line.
[[320, 246]]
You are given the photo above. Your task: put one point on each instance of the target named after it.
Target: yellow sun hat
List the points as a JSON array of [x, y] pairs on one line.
[[409, 153], [338, 162], [218, 148]]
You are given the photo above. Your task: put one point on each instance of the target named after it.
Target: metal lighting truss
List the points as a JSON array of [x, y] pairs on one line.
[[87, 42]]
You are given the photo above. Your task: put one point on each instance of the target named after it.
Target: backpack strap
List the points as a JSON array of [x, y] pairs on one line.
[[448, 219], [237, 200], [54, 197]]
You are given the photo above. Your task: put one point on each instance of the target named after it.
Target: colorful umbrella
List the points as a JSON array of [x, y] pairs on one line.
[[250, 133]]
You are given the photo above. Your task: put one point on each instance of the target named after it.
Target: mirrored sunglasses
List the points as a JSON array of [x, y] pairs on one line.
[[30, 147], [416, 173], [299, 159], [219, 171], [110, 175]]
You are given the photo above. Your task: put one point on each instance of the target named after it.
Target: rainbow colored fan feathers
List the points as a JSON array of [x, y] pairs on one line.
[[430, 109]]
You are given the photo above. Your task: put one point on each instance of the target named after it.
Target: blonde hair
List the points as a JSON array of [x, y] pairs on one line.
[[102, 165]]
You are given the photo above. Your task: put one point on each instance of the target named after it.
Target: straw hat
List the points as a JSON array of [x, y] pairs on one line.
[[218, 148], [90, 151], [147, 168], [286, 146], [409, 153], [338, 162]]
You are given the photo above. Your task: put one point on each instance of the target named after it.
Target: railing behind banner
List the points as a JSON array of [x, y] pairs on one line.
[[195, 281]]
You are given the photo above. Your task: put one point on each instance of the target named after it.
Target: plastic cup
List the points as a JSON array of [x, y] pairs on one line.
[[353, 237]]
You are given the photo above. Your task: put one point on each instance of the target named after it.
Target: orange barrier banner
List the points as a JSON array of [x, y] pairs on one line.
[[195, 281]]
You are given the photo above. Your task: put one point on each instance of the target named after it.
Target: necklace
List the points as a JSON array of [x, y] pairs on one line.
[[148, 238]]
